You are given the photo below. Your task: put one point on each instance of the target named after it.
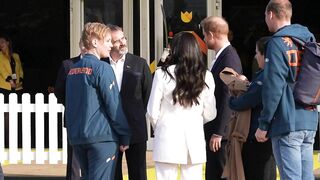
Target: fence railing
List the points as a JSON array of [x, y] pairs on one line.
[[40, 151]]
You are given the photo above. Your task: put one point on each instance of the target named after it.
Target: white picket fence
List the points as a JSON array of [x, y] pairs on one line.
[[40, 154]]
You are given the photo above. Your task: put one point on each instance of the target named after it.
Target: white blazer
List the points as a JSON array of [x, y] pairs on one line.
[[178, 130]]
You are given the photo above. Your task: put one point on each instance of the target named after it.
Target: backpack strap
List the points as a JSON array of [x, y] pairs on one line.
[[299, 41]]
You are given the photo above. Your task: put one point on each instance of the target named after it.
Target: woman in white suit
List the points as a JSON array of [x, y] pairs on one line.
[[181, 101]]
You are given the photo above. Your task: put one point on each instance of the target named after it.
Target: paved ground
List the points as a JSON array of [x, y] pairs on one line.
[[57, 172], [45, 171]]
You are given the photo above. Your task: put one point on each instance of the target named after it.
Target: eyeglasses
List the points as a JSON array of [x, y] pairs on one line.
[[120, 40]]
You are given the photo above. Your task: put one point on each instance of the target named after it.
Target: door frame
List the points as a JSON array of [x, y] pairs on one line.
[[77, 23]]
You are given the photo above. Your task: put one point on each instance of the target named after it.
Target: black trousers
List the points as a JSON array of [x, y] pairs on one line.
[[215, 162], [258, 161], [136, 162]]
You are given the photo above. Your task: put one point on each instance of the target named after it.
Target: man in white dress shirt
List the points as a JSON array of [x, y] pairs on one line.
[[134, 81]]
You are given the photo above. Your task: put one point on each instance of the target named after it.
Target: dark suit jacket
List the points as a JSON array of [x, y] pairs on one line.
[[227, 58], [135, 91], [60, 86]]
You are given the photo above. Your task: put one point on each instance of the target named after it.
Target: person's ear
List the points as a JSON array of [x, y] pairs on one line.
[[211, 34], [94, 43], [270, 15]]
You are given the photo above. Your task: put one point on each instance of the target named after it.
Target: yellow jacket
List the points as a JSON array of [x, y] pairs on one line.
[[5, 71]]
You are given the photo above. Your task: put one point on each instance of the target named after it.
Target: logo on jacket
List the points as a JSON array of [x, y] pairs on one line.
[[287, 41], [293, 54], [110, 158], [111, 85], [82, 70], [259, 83]]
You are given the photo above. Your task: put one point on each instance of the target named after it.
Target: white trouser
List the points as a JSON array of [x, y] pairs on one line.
[[168, 171]]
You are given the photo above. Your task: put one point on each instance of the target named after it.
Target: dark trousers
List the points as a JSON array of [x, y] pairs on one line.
[[258, 161], [97, 160], [73, 166], [136, 162], [215, 162]]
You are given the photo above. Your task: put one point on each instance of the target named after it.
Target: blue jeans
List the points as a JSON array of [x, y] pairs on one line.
[[294, 155]]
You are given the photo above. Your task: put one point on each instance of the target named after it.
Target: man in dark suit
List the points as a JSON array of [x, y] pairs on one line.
[[134, 81], [215, 31], [73, 166]]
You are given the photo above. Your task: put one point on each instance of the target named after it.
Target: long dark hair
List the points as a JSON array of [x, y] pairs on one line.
[[190, 69], [10, 49]]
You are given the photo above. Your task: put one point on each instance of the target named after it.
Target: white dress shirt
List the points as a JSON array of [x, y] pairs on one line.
[[178, 130], [118, 69], [218, 54]]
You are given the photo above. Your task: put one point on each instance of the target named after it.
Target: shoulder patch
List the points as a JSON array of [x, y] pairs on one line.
[[287, 41]]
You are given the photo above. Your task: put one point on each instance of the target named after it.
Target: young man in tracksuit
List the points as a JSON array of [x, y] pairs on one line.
[[291, 126], [96, 124]]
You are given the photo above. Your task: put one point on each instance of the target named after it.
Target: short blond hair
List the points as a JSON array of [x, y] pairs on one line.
[[282, 9], [93, 30], [215, 24]]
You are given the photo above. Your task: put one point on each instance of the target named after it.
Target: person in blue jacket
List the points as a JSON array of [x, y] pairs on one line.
[[96, 125], [290, 125], [73, 166], [257, 157]]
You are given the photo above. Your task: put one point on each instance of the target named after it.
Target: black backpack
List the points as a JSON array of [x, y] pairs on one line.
[[307, 87]]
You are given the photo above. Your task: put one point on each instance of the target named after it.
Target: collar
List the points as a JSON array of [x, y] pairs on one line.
[[120, 60], [221, 49]]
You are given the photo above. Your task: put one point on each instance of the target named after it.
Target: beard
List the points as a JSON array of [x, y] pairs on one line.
[[123, 50]]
